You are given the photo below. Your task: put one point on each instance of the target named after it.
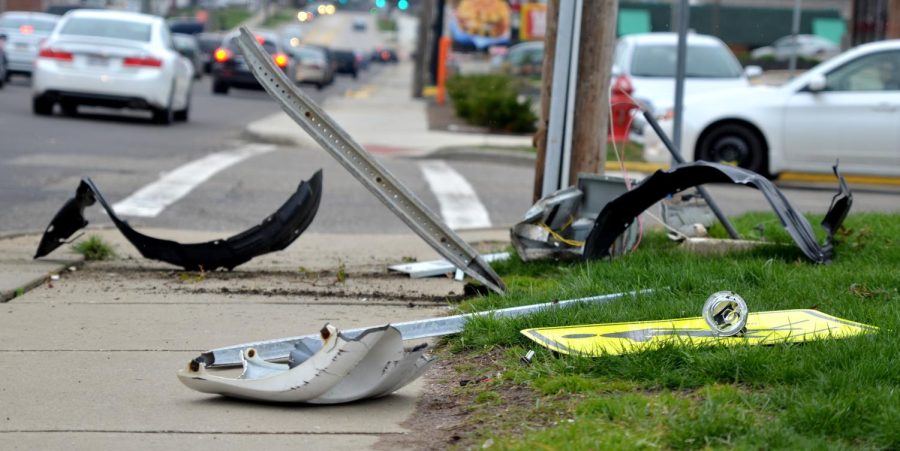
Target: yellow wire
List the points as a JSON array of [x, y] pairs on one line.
[[560, 238]]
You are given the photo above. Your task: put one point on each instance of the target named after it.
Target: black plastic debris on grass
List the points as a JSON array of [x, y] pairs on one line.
[[275, 233], [618, 214]]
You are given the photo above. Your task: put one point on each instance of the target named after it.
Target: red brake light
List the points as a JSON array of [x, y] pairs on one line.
[[142, 62], [26, 29], [55, 54], [221, 55], [281, 60], [261, 40]]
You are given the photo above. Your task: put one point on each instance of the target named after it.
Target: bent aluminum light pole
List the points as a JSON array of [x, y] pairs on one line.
[[356, 160], [280, 349]]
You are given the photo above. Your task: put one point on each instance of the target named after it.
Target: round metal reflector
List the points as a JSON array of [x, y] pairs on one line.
[[726, 313]]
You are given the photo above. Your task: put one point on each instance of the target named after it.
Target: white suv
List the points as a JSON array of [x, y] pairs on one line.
[[112, 59]]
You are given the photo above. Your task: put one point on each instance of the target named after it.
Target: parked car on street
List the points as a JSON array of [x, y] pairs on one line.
[[648, 60], [112, 59], [188, 47], [24, 33], [346, 62], [230, 70], [808, 46], [525, 59], [312, 66], [847, 109]]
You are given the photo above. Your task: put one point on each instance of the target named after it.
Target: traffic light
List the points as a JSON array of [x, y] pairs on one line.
[[380, 3], [402, 5]]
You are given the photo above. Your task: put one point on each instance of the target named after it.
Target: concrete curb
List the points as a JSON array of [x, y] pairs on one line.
[[503, 156], [31, 282]]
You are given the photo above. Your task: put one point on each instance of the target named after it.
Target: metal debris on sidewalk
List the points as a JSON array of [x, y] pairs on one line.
[[557, 225], [762, 328], [618, 214], [418, 270], [336, 369], [363, 166], [275, 233], [282, 348]]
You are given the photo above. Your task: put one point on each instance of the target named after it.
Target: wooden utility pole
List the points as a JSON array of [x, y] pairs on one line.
[[893, 19], [426, 17], [540, 138], [596, 47]]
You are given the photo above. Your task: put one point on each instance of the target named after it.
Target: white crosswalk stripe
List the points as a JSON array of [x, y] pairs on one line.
[[460, 206], [152, 199]]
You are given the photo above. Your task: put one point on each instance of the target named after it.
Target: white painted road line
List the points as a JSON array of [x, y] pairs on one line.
[[151, 200], [460, 206]]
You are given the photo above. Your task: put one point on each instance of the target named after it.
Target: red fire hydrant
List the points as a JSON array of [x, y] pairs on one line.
[[622, 108]]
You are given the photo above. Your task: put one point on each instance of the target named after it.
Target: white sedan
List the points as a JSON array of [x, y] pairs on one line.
[[112, 59], [847, 108], [649, 61]]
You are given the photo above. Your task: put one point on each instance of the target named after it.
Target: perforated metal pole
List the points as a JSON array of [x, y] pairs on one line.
[[365, 168], [684, 20]]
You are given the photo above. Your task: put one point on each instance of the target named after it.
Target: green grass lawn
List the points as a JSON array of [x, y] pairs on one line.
[[830, 394]]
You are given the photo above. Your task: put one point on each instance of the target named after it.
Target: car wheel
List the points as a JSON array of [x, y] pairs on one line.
[[42, 106], [182, 115], [69, 108], [734, 144], [220, 87]]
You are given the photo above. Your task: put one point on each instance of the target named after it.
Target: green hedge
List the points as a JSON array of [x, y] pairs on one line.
[[492, 101]]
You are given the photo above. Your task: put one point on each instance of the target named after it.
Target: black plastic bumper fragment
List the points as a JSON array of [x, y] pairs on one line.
[[618, 214], [275, 233]]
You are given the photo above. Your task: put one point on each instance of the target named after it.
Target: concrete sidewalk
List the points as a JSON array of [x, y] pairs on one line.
[[383, 118], [89, 360]]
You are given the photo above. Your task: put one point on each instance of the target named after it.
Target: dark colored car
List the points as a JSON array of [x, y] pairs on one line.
[[230, 70], [3, 72], [187, 46], [185, 25], [62, 10], [346, 62], [384, 55], [208, 43]]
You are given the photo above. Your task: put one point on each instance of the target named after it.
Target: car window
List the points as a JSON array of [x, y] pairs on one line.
[[876, 72], [167, 38], [658, 60], [107, 28], [14, 22]]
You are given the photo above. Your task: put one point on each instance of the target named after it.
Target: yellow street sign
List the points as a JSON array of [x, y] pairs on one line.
[[763, 328]]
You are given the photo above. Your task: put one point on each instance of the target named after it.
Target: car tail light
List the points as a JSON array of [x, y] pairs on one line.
[[55, 54], [281, 60], [221, 55], [26, 29], [147, 61], [261, 40]]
